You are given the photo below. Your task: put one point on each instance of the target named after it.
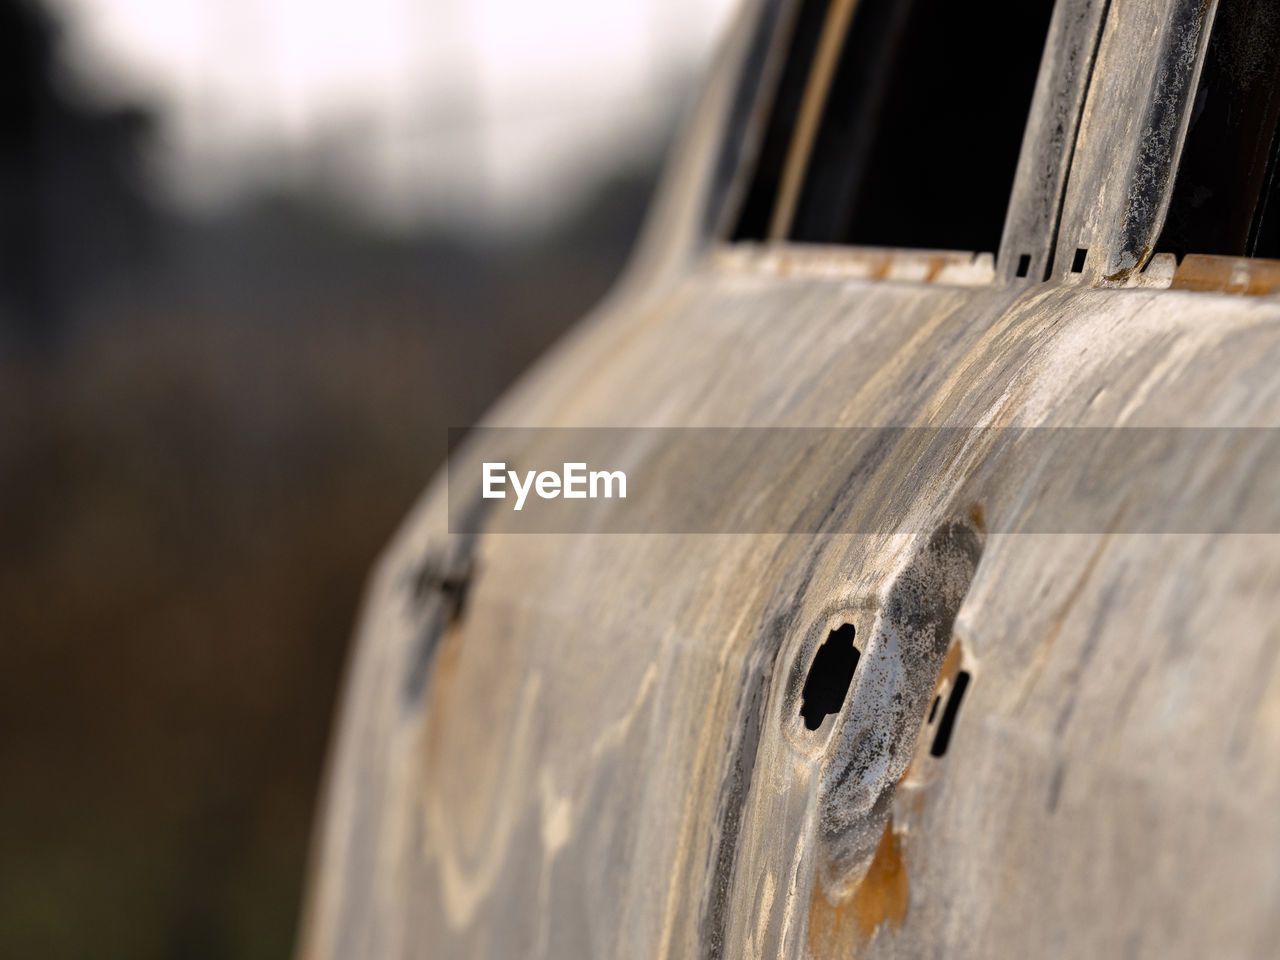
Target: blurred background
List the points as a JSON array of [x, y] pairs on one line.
[[256, 256]]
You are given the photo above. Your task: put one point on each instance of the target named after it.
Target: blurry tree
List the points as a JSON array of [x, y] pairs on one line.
[[73, 205]]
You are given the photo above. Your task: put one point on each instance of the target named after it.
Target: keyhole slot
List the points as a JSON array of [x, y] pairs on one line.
[[946, 725]]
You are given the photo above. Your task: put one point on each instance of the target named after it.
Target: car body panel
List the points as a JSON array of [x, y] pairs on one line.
[[587, 744]]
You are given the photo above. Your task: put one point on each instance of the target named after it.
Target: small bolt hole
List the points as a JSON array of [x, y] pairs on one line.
[[1077, 265], [1024, 265], [830, 677], [942, 738]]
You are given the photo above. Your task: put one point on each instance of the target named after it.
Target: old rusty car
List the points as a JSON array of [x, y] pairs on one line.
[[975, 649]]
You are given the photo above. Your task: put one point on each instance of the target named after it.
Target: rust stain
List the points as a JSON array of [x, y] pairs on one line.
[[881, 897], [977, 517], [883, 894], [818, 260], [950, 667], [1240, 275]]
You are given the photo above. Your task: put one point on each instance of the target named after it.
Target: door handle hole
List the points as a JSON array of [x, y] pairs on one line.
[[830, 676]]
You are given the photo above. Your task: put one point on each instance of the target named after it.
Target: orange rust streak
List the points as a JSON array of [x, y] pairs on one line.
[[1227, 275], [881, 897], [950, 667], [910, 781], [977, 517]]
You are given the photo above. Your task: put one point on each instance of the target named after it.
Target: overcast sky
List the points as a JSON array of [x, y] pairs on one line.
[[482, 108]]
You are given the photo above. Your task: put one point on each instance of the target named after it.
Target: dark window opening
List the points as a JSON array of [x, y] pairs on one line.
[[919, 132], [757, 207], [1226, 199], [942, 738], [1024, 264], [933, 710], [830, 677], [1077, 262]]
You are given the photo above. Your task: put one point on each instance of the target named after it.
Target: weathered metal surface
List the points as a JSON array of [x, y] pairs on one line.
[[584, 745], [1135, 116], [1048, 146]]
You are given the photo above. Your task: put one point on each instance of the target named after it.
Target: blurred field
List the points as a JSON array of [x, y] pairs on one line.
[[194, 481]]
